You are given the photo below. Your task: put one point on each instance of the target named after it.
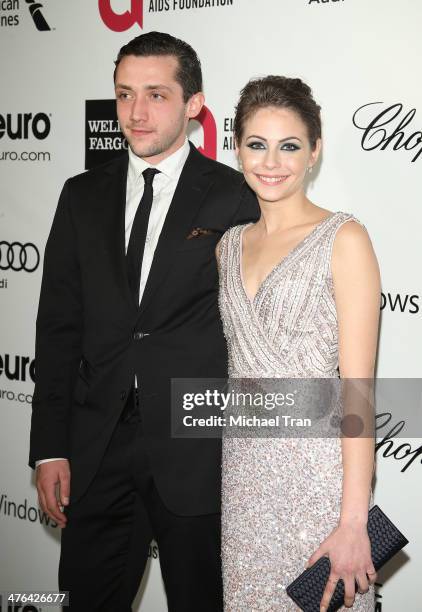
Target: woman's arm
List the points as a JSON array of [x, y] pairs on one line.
[[357, 294]]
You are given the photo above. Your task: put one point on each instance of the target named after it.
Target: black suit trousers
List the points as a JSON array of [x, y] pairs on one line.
[[106, 541]]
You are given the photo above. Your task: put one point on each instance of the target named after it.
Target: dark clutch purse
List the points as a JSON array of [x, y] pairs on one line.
[[307, 589]]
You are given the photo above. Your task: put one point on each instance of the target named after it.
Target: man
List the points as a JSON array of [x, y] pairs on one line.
[[128, 301]]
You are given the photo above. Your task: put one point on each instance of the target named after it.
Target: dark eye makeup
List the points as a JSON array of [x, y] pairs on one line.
[[286, 146]]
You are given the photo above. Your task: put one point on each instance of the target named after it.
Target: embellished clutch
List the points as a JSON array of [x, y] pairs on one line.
[[307, 589]]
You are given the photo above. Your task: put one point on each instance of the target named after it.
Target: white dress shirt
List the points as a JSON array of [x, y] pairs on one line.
[[164, 186]]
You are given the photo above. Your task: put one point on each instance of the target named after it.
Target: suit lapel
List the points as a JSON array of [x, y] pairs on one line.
[[195, 180], [113, 218]]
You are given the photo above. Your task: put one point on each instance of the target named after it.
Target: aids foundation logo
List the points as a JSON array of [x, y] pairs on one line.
[[208, 145], [388, 128], [120, 22], [104, 141], [228, 134], [158, 6]]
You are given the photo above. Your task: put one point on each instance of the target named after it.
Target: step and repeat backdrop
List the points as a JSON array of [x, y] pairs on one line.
[[57, 118]]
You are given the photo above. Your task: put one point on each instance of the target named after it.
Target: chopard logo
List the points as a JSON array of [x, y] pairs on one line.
[[387, 128], [18, 256], [123, 21], [391, 447]]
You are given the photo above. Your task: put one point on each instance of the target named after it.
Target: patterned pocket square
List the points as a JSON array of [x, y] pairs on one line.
[[197, 232]]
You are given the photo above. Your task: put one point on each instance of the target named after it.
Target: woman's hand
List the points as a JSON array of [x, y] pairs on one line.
[[349, 551]]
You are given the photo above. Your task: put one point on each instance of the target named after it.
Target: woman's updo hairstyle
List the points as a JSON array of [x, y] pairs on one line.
[[281, 92]]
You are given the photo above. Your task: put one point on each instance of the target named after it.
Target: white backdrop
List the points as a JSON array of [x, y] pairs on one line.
[[57, 56]]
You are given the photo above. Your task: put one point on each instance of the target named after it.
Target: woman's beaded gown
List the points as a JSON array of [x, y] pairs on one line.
[[280, 496]]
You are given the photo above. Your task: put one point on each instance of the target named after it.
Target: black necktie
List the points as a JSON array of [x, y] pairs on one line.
[[135, 249]]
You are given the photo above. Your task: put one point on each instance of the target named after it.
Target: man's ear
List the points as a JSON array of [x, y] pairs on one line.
[[194, 105]]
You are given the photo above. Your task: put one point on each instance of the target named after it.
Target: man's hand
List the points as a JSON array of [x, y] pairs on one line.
[[53, 486]]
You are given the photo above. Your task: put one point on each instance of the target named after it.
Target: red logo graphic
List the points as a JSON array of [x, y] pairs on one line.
[[206, 119], [123, 21]]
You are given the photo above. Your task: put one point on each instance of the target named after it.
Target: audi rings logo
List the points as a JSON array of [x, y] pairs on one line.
[[17, 256]]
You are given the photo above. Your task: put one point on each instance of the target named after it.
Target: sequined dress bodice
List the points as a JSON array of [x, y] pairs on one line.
[[289, 329]]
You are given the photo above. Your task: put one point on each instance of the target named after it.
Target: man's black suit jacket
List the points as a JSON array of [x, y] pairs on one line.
[[87, 346]]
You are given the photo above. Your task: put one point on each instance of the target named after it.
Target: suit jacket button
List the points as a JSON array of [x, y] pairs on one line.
[[123, 395], [137, 335]]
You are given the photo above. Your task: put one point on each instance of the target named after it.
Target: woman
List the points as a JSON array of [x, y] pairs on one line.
[[299, 298]]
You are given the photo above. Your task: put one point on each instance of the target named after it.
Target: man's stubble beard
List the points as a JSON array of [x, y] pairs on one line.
[[161, 144]]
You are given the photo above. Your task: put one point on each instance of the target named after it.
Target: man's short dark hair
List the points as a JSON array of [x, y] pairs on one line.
[[188, 73]]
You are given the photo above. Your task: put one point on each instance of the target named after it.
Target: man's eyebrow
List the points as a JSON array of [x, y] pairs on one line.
[[282, 140], [147, 87], [158, 87], [123, 86]]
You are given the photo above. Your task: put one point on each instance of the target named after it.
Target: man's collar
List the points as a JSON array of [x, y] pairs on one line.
[[171, 166]]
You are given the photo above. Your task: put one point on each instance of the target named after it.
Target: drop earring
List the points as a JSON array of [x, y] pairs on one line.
[[310, 169]]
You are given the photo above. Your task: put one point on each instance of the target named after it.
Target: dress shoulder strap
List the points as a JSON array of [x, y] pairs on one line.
[[336, 222], [227, 246]]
